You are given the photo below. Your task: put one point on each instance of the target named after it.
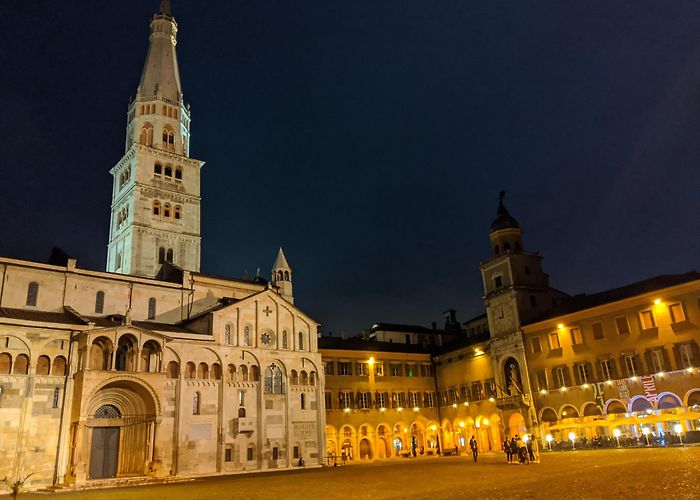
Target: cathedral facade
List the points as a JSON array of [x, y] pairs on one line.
[[153, 369]]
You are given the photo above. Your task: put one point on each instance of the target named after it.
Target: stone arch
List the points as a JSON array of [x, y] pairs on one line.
[[151, 356], [568, 411], [43, 365], [692, 398], [613, 406], [100, 353], [589, 409], [59, 366], [127, 346], [516, 424], [366, 449], [21, 364], [668, 400], [639, 403], [549, 415], [512, 376]]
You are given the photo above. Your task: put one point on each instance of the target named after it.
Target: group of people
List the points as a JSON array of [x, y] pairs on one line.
[[521, 450]]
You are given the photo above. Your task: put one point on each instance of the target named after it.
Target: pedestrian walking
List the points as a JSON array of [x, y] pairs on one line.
[[535, 448], [529, 445], [474, 447], [513, 450], [506, 449]]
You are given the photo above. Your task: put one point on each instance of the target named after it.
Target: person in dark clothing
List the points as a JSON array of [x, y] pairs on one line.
[[474, 447], [506, 449], [529, 448], [513, 449]]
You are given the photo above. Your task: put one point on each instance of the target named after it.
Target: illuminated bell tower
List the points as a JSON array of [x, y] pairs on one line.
[[282, 276], [156, 189]]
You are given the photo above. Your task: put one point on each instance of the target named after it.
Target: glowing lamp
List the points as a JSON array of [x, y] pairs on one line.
[[678, 428], [585, 386], [616, 433], [572, 436], [454, 405], [347, 410], [563, 388], [415, 409], [371, 361], [399, 409], [382, 409], [466, 403], [433, 428], [492, 400], [486, 421], [657, 302], [660, 374], [548, 438], [560, 326], [645, 431], [609, 382], [526, 438], [633, 379], [461, 424], [543, 392]]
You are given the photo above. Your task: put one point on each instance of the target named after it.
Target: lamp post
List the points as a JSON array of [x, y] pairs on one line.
[[679, 428], [616, 433], [645, 431], [572, 438], [549, 438]]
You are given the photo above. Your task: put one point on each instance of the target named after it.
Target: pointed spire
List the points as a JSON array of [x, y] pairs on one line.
[[165, 7], [161, 75], [503, 219], [281, 261]]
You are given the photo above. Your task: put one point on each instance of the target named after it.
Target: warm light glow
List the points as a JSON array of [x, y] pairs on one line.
[[633, 379], [678, 428], [572, 436], [657, 302], [645, 431], [563, 414], [371, 361], [585, 386], [347, 410], [405, 431], [466, 403], [690, 370], [433, 428], [492, 400], [563, 388], [548, 438], [454, 405], [486, 421], [399, 409], [648, 411], [461, 424], [660, 374], [543, 391], [478, 352], [616, 433], [526, 437], [560, 326], [609, 382], [415, 409], [382, 409]]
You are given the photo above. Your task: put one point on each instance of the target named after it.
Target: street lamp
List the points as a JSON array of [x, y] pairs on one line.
[[525, 438], [616, 433], [645, 431], [572, 438], [549, 438], [679, 428]]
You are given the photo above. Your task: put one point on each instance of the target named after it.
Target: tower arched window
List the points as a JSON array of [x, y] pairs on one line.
[[169, 255], [273, 380], [286, 276], [156, 207], [178, 212], [32, 293], [157, 169], [301, 341], [279, 275], [166, 210], [152, 308], [99, 302], [168, 172], [146, 135], [161, 255], [168, 139], [178, 174]]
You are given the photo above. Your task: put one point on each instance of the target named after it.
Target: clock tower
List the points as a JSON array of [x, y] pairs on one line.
[[516, 290]]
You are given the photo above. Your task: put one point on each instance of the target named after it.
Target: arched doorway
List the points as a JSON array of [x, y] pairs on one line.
[[121, 428], [365, 449], [511, 371], [516, 425]]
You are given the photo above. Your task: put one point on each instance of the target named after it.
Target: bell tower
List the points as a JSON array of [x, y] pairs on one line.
[[156, 189], [282, 276]]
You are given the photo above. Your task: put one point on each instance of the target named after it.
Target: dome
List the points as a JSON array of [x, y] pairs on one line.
[[503, 219]]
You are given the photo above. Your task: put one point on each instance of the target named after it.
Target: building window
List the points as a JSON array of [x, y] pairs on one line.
[[686, 354], [344, 368], [246, 335], [598, 333], [273, 380], [285, 342], [402, 399], [584, 373], [56, 394], [296, 451], [632, 365], [196, 404], [676, 312], [364, 400], [344, 399], [329, 368], [166, 210], [413, 399], [382, 399], [657, 360], [178, 175], [249, 454], [429, 400], [156, 207], [411, 370], [227, 333], [554, 341], [535, 345], [178, 212], [562, 376], [157, 170], [607, 369], [228, 454], [152, 308], [533, 301], [426, 370], [498, 281], [379, 369], [328, 399], [303, 402], [542, 381], [477, 393], [275, 453], [161, 255], [647, 319], [362, 369], [99, 302], [169, 255], [32, 293], [301, 341], [576, 338], [395, 370]]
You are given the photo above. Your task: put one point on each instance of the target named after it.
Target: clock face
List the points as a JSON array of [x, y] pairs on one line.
[[503, 318]]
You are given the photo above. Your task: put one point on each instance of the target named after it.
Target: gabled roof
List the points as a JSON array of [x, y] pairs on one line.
[[583, 301]]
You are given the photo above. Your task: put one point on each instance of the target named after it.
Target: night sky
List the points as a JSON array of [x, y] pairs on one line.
[[370, 139]]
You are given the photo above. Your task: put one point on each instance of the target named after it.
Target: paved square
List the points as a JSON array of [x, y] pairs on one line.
[[651, 473]]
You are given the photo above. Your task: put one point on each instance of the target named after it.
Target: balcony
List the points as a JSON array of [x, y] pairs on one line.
[[245, 424], [513, 402]]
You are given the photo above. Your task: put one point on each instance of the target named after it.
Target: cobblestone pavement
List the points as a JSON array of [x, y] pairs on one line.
[[651, 473]]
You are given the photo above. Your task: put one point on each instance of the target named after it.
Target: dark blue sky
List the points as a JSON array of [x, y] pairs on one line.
[[370, 139]]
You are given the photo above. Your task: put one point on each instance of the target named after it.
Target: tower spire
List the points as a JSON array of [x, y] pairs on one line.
[[165, 7], [282, 276]]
